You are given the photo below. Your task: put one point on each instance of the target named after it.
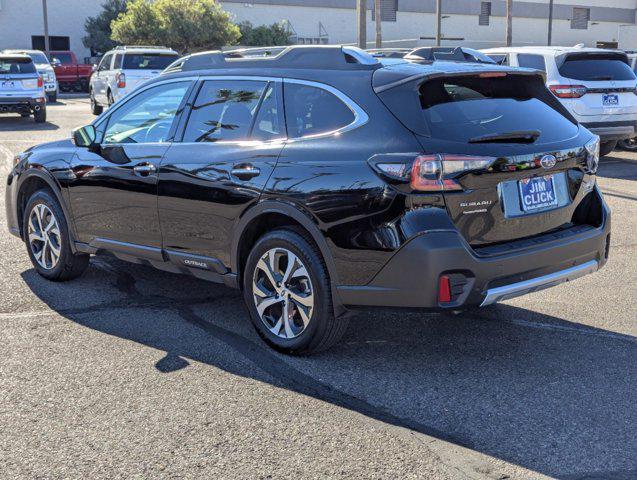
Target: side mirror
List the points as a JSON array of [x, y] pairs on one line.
[[94, 67], [56, 62], [85, 136]]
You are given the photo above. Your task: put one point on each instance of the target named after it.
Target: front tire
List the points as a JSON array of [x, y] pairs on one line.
[[46, 234], [607, 147], [96, 109], [52, 97], [287, 290]]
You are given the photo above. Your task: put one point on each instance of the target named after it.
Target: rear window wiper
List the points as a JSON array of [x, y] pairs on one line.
[[521, 136]]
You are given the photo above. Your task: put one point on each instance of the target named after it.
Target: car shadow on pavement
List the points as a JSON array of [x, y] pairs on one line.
[[541, 392], [17, 123]]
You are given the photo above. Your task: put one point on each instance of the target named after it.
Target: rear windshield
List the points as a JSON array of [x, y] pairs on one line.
[[148, 61], [38, 58], [596, 68], [464, 108], [64, 58], [16, 66]]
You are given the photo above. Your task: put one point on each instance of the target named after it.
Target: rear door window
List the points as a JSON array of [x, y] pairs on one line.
[[16, 66], [460, 109], [311, 110], [596, 67], [531, 61], [225, 110], [64, 58], [117, 63]]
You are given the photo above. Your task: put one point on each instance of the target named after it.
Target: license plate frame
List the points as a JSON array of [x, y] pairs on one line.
[[539, 198], [8, 84], [610, 100]]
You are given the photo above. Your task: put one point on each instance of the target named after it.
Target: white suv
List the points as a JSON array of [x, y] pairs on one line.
[[121, 70], [597, 86]]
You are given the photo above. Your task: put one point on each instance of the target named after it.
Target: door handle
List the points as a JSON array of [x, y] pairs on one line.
[[144, 169], [245, 171]]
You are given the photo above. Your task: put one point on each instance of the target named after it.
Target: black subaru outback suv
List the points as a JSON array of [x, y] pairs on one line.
[[319, 181]]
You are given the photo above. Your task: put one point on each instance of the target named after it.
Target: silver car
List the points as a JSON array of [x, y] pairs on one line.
[[45, 69], [21, 87]]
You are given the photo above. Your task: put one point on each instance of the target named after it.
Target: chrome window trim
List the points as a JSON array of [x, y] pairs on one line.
[[360, 116]]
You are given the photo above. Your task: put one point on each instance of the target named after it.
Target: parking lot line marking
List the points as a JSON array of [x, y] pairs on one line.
[[5, 164]]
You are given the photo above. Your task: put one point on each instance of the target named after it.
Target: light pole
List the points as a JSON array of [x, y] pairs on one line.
[[509, 27], [438, 21], [47, 46], [361, 20], [379, 35], [550, 22]]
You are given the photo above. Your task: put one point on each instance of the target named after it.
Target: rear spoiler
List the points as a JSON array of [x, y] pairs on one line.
[[426, 76]]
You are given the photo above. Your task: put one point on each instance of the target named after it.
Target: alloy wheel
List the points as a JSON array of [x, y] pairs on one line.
[[44, 236], [283, 293]]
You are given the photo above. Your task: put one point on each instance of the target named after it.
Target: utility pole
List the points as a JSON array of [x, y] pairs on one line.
[[361, 20], [550, 22], [438, 21], [47, 46], [509, 33], [379, 35]]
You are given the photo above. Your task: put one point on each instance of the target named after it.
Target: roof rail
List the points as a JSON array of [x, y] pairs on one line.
[[308, 57], [124, 47]]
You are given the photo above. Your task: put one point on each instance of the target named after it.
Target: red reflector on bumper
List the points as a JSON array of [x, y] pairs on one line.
[[444, 289]]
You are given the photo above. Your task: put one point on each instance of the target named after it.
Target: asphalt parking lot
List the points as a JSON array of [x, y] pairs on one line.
[[129, 372]]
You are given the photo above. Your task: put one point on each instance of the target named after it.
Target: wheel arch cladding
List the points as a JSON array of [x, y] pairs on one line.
[[39, 180], [270, 215]]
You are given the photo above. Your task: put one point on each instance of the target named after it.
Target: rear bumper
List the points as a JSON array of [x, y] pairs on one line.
[[609, 131], [410, 277], [21, 104]]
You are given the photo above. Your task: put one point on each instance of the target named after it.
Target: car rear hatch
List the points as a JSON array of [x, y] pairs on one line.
[[602, 83], [18, 76], [506, 156], [140, 67]]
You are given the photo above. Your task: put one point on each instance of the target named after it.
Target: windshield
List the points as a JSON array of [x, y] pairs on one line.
[[16, 66], [465, 108], [148, 61], [596, 68]]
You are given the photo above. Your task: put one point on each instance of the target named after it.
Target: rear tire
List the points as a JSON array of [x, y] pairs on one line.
[[46, 234], [96, 109], [303, 296], [111, 100], [629, 144], [40, 116], [607, 147]]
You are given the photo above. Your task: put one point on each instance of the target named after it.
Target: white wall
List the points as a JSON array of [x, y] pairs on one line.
[[341, 26], [19, 19]]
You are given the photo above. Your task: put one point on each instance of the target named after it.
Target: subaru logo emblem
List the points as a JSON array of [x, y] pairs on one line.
[[548, 161]]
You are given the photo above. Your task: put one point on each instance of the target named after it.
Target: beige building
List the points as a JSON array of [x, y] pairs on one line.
[[405, 22]]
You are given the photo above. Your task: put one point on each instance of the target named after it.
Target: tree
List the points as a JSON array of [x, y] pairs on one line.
[[98, 28], [185, 25], [264, 35]]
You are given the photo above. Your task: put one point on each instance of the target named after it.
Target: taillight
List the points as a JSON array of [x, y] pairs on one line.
[[40, 82], [431, 173], [121, 80], [568, 91]]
